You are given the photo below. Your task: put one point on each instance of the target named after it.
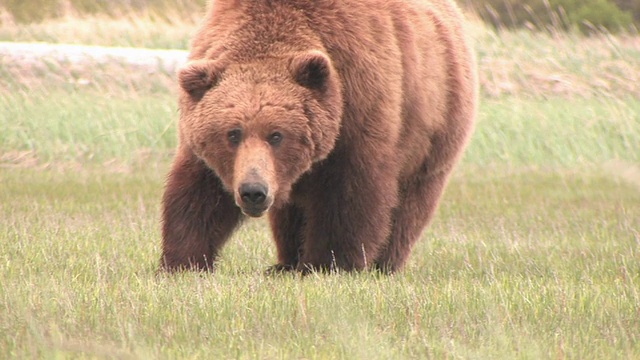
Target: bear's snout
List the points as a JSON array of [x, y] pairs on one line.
[[253, 194], [254, 178], [254, 198]]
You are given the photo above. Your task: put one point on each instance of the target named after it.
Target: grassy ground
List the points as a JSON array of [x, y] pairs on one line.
[[534, 252], [532, 265]]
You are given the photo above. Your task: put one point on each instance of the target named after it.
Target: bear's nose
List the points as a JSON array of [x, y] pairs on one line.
[[253, 193]]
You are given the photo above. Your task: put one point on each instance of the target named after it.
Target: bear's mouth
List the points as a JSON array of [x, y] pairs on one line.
[[255, 213], [255, 210]]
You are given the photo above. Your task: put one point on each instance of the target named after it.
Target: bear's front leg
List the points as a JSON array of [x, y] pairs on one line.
[[198, 215], [287, 224], [348, 218]]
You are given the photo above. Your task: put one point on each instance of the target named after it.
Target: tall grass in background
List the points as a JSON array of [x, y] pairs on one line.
[[144, 27], [33, 11], [130, 31], [513, 132], [586, 15]]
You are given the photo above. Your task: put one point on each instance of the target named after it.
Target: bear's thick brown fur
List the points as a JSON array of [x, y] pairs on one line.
[[342, 119]]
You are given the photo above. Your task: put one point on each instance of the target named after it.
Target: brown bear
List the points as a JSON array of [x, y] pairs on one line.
[[340, 119]]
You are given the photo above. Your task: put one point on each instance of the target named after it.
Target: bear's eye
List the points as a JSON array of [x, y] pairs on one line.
[[275, 138], [234, 136]]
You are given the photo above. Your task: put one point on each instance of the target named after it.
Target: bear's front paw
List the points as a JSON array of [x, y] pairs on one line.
[[307, 269], [279, 269]]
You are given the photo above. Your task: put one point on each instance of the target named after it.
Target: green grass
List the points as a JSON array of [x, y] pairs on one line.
[[533, 253], [528, 266], [67, 126]]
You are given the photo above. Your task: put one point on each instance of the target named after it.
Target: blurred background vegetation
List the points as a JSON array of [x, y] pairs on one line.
[[30, 11], [586, 16]]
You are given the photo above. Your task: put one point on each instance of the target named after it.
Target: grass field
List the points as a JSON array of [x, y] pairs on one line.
[[534, 253]]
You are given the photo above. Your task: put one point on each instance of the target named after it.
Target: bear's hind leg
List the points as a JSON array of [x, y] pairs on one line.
[[287, 224], [198, 215], [418, 203]]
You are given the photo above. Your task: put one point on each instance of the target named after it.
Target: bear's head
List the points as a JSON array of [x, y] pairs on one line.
[[260, 125]]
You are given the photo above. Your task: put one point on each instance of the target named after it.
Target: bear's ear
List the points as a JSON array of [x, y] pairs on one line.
[[198, 76], [311, 69]]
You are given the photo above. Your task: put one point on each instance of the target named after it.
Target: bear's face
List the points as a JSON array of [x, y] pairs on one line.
[[260, 126]]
